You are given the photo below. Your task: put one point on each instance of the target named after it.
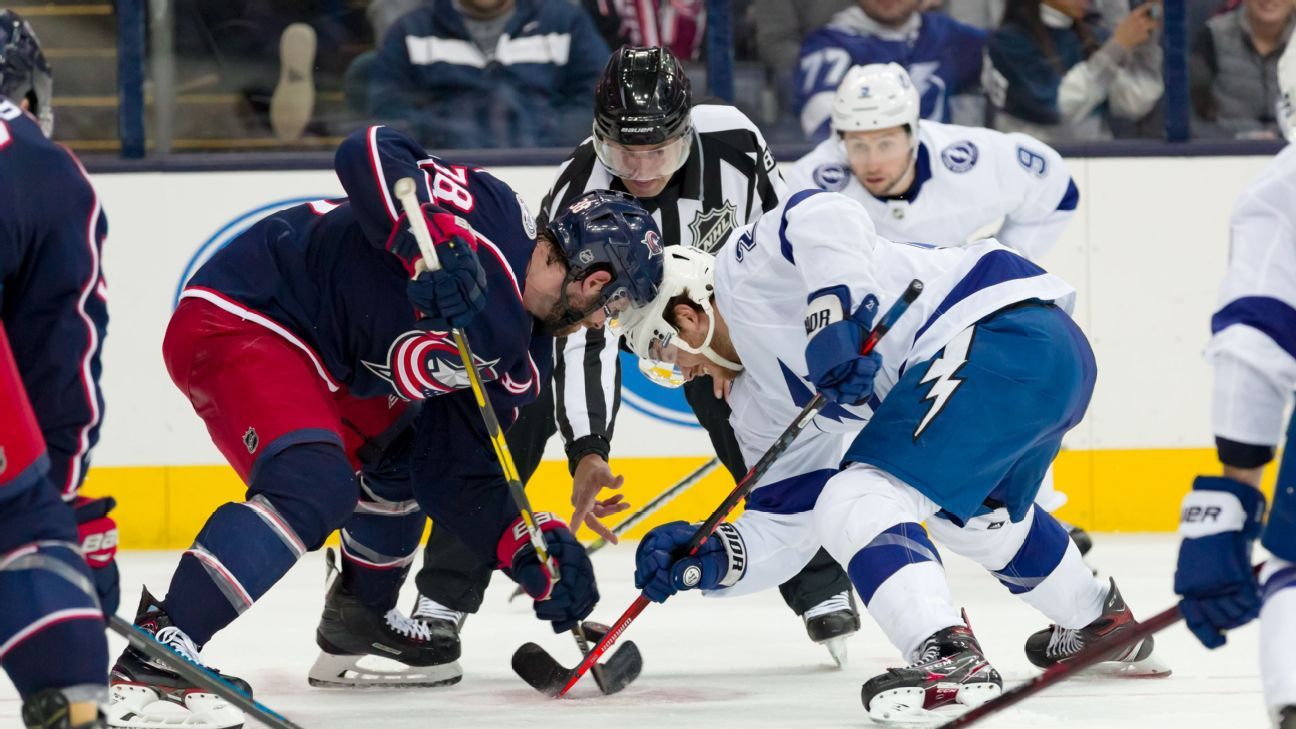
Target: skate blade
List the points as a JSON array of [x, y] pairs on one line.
[[137, 706], [837, 649], [345, 671], [1150, 667], [907, 706]]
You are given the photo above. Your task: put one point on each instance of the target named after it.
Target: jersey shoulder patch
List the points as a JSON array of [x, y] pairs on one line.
[[960, 156], [832, 176]]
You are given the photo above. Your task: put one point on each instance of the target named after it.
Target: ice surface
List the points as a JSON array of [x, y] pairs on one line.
[[716, 663]]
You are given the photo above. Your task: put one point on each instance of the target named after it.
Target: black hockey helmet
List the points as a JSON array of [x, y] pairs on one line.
[[24, 74], [643, 97]]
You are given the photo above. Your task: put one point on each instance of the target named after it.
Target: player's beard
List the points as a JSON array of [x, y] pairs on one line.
[[552, 322]]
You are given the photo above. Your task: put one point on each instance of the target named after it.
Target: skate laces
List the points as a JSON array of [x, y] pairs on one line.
[[429, 609], [407, 627], [1064, 642], [835, 604], [175, 639]]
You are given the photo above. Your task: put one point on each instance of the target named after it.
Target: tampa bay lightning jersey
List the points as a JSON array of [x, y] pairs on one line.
[[942, 56], [818, 241], [330, 276], [969, 183], [53, 300], [1253, 346]]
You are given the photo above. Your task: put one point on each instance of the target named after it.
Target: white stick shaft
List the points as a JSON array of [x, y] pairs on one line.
[[408, 197]]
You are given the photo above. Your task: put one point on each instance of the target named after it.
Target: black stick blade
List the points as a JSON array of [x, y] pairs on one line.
[[619, 670], [539, 669]]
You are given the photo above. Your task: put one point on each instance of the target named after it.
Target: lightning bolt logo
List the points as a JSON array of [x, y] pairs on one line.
[[941, 374]]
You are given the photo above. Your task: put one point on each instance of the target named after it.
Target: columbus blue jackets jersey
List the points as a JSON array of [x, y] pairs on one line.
[[52, 293], [330, 277], [942, 56]]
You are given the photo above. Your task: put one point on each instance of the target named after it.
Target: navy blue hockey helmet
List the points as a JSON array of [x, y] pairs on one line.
[[605, 230], [24, 74]]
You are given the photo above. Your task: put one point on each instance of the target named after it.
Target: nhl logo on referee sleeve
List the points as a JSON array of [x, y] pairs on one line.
[[960, 156]]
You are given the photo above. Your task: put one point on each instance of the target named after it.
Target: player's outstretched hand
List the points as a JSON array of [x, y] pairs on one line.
[[98, 534], [592, 476], [450, 297], [661, 569], [574, 596], [837, 368], [1220, 521]]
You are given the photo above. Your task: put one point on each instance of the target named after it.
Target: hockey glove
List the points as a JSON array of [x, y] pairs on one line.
[[1220, 521], [449, 298], [661, 570], [575, 594], [836, 367], [98, 534]]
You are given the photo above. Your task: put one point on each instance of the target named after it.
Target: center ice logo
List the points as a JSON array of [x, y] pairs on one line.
[[228, 232], [657, 402]]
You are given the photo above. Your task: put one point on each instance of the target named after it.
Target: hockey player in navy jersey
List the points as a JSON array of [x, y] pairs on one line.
[[306, 344], [52, 321], [940, 183], [951, 421], [1253, 350], [941, 54]]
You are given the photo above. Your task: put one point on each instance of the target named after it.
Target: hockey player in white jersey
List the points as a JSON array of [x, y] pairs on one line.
[[940, 183], [952, 420], [1253, 351], [936, 183]]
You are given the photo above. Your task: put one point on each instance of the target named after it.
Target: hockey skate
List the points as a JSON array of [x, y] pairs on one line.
[[950, 670], [53, 709], [145, 694], [363, 648], [443, 622], [831, 622], [1056, 644]]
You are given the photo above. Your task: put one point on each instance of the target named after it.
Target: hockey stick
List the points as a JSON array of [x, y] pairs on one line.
[[405, 192], [646, 510], [1095, 653], [197, 675], [744, 487]]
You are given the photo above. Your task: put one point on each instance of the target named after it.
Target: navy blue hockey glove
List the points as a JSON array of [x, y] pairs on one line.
[[661, 569], [575, 594], [450, 297], [98, 534], [1220, 521], [833, 358]]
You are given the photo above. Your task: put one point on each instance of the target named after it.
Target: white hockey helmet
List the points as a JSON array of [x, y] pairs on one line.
[[876, 96], [651, 337], [1287, 93]]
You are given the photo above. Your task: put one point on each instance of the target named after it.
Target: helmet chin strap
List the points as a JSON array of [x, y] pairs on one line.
[[704, 348]]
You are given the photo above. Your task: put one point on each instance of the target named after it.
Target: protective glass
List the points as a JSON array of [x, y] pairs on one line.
[[664, 374], [878, 150], [642, 164]]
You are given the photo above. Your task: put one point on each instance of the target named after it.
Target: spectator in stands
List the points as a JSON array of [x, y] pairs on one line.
[[677, 25], [1234, 70], [383, 13], [781, 25], [942, 56], [489, 73], [1054, 71]]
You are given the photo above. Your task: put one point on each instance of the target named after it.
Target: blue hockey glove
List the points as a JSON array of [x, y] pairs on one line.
[[1220, 521], [98, 534], [574, 596], [661, 570], [833, 358], [453, 295]]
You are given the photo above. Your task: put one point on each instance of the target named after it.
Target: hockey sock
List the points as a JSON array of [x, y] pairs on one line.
[[298, 497], [1278, 633], [901, 581], [379, 543], [51, 625], [1050, 575]]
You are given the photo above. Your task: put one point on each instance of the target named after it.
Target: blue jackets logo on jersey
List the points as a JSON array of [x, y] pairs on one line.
[[422, 364], [960, 156]]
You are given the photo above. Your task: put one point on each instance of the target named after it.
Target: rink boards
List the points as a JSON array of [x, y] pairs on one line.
[[1146, 252]]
